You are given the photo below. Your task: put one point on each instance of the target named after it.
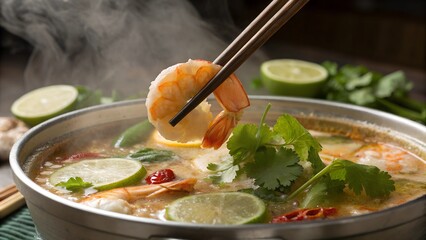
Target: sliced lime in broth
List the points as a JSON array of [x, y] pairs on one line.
[[103, 173]]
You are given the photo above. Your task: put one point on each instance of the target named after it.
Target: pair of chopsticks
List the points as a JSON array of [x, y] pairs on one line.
[[10, 200], [269, 21]]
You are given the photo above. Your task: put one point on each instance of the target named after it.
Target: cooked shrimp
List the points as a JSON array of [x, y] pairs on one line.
[[174, 86], [120, 199], [388, 158]]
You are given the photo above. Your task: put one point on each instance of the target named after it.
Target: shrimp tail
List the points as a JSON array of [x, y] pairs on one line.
[[186, 185], [220, 129], [233, 99]]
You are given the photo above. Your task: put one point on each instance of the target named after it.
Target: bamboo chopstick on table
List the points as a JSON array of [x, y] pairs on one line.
[[269, 21], [10, 200]]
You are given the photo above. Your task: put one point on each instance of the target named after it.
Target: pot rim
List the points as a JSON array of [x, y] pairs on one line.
[[20, 174]]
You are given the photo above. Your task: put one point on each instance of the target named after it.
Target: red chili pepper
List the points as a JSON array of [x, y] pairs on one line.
[[160, 176], [84, 155], [305, 214]]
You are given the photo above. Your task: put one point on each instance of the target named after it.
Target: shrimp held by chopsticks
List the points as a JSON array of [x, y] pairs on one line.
[[174, 86], [120, 199]]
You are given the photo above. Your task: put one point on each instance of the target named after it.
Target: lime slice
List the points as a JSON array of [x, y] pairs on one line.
[[43, 103], [104, 174], [217, 208], [293, 77]]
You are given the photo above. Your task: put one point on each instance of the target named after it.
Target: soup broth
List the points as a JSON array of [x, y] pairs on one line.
[[190, 161]]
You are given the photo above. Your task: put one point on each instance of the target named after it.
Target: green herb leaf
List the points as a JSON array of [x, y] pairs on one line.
[[350, 71], [224, 172], [315, 160], [392, 84], [152, 155], [74, 184], [265, 194], [331, 67], [87, 97], [362, 81], [362, 97], [243, 141], [359, 177], [274, 168], [225, 176], [256, 83], [315, 196], [296, 135], [358, 85]]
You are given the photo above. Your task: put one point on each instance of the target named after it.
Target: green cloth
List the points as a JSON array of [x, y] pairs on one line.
[[18, 226]]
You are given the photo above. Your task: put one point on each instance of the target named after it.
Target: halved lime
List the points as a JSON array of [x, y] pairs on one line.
[[218, 208], [43, 103], [292, 77], [103, 173]]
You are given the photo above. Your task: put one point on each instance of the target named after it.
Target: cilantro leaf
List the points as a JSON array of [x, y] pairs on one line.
[[361, 81], [350, 71], [242, 145], [265, 194], [392, 83], [315, 160], [88, 97], [74, 184], [315, 196], [359, 177], [281, 166], [361, 86], [246, 138], [243, 141], [362, 97], [331, 67], [296, 135], [224, 172]]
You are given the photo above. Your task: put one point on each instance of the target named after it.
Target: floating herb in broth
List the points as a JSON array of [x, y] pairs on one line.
[[283, 165], [150, 155], [271, 157]]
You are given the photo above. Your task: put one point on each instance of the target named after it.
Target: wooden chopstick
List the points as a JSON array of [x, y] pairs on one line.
[[7, 191], [269, 21], [249, 32], [10, 200]]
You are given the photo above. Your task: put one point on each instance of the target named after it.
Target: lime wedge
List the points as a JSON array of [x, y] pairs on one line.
[[293, 77], [217, 208], [104, 174], [43, 103]]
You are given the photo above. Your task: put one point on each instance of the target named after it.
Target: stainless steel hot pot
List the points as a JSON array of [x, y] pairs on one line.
[[57, 218]]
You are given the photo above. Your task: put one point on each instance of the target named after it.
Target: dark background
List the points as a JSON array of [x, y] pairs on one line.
[[384, 35], [387, 31]]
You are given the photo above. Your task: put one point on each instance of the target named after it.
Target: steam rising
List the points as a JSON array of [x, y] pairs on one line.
[[106, 44]]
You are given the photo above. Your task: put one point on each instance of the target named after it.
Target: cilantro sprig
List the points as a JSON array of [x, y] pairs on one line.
[[358, 178], [272, 155], [74, 184], [361, 86]]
